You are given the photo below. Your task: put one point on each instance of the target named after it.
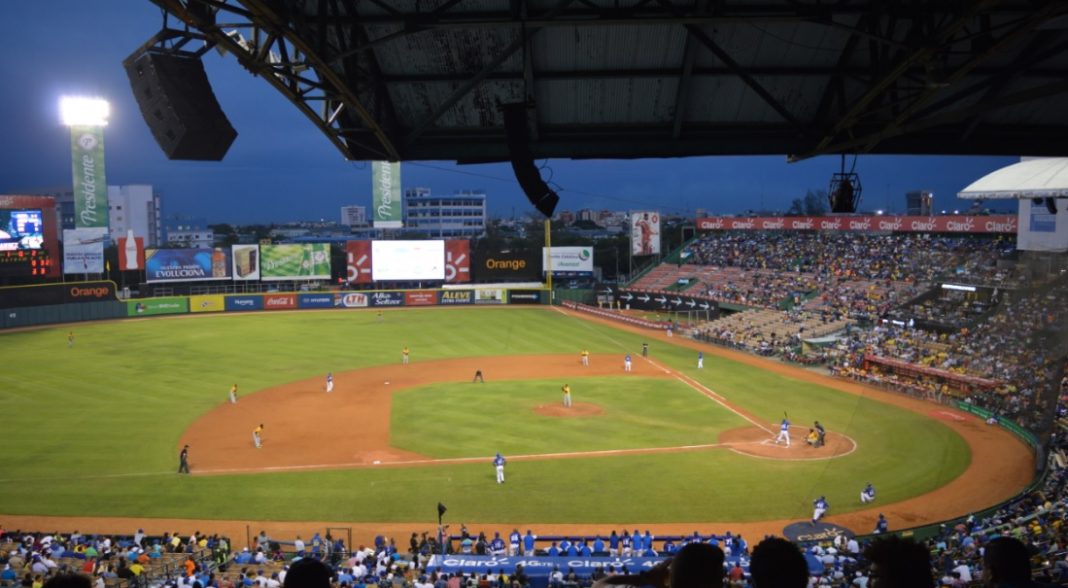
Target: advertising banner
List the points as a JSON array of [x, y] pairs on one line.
[[457, 261], [153, 306], [386, 298], [866, 224], [83, 251], [489, 296], [386, 195], [358, 256], [131, 253], [48, 294], [569, 262], [453, 297], [244, 302], [420, 298], [537, 567], [90, 185], [279, 301], [246, 262], [315, 300], [180, 265], [207, 303], [644, 233], [524, 296], [1041, 230], [302, 261], [351, 300], [513, 266]]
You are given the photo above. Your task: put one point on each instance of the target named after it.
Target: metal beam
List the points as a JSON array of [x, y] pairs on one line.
[[682, 88]]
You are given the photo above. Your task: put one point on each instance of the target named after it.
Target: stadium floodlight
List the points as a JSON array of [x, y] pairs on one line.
[[91, 112]]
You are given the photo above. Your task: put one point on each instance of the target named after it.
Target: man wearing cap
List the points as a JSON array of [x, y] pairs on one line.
[[183, 461]]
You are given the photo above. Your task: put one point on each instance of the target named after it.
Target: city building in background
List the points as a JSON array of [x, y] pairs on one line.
[[919, 203], [354, 216], [135, 207], [184, 231], [462, 214]]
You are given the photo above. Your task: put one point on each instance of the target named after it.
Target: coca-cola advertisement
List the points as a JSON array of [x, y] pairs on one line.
[[865, 224]]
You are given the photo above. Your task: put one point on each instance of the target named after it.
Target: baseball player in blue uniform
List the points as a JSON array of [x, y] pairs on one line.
[[329, 382], [498, 464], [819, 508], [626, 363], [528, 543], [784, 432], [513, 542], [881, 525], [497, 545], [867, 494], [700, 359]]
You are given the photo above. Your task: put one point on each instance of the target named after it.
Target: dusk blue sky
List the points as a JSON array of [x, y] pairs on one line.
[[281, 168]]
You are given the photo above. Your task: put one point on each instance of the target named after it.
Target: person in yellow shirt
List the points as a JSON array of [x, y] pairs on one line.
[[567, 395], [257, 436], [233, 394], [404, 355], [586, 357]]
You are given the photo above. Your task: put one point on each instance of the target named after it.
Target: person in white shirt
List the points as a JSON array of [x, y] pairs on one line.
[[298, 544], [964, 571]]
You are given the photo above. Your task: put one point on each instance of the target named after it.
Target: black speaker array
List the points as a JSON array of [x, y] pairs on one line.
[[179, 106], [538, 192]]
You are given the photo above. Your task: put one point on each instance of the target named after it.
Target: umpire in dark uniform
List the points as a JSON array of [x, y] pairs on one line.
[[183, 461]]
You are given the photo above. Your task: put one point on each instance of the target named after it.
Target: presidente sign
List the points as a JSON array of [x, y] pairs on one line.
[[90, 185], [866, 224], [386, 194]]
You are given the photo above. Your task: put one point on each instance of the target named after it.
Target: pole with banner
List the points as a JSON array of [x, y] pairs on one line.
[[386, 206]]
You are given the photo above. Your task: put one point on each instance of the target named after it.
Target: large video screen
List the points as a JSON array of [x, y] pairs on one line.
[[408, 260], [21, 229]]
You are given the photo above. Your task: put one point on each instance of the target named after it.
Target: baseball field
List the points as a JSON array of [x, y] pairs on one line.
[[94, 429]]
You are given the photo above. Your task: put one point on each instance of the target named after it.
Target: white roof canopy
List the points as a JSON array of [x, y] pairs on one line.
[[1035, 178]]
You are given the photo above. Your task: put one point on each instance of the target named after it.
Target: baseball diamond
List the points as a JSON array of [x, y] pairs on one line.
[[346, 456]]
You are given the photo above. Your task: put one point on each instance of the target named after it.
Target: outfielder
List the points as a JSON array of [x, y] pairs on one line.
[[626, 363], [257, 436], [567, 395], [700, 360], [867, 494], [233, 394], [585, 357], [183, 461], [329, 382], [498, 464], [404, 355], [784, 432], [819, 508]]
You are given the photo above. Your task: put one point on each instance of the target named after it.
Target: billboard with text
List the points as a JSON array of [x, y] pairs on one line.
[[569, 262], [83, 251], [508, 266], [184, 265], [246, 262], [865, 224], [297, 261]]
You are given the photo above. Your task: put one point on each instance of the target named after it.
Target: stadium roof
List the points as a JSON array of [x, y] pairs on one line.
[[1033, 178], [427, 79]]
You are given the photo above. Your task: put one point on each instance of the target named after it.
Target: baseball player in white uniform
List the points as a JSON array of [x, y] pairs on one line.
[[626, 363], [784, 432], [329, 382]]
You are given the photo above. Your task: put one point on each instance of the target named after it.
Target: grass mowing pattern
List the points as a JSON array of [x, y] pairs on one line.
[[92, 430]]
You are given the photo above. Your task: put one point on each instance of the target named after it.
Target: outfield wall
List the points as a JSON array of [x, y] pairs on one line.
[[58, 312]]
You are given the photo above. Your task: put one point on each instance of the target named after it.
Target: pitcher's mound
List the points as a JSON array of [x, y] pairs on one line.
[[577, 409]]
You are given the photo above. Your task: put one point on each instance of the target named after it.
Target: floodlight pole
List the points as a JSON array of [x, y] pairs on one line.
[[549, 258]]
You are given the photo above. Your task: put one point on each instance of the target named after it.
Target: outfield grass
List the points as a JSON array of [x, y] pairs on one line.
[[93, 430]]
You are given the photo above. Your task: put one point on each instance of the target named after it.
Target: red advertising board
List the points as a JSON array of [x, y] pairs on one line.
[[420, 298], [865, 224], [457, 261], [279, 301], [358, 260], [137, 248]]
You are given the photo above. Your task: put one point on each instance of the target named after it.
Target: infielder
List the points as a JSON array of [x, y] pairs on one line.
[[567, 395], [784, 432], [700, 360], [404, 355], [257, 436], [183, 461], [233, 394], [819, 508], [329, 381], [867, 494], [626, 363], [585, 357], [498, 464]]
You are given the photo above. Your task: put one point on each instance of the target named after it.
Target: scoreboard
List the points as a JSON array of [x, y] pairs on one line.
[[25, 262]]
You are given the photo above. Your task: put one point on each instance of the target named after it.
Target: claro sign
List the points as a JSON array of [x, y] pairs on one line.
[[516, 266]]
